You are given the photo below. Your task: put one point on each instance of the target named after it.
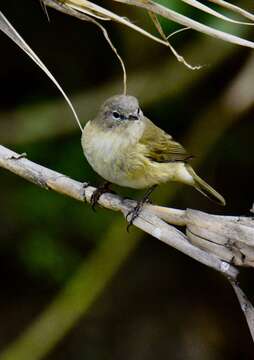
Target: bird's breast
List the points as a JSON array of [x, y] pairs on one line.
[[109, 151]]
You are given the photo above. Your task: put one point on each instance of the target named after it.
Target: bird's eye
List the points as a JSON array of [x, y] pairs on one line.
[[116, 115], [138, 112]]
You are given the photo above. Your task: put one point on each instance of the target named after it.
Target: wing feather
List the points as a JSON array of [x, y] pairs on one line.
[[160, 146]]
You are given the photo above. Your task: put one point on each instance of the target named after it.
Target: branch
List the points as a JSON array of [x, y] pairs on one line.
[[231, 238], [200, 226], [93, 10], [210, 11], [99, 13], [246, 306], [216, 241], [234, 8], [10, 31], [69, 11], [26, 118], [147, 221], [167, 13]]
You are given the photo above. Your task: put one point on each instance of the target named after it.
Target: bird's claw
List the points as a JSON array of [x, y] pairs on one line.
[[95, 197], [84, 186], [105, 188], [18, 156], [134, 214]]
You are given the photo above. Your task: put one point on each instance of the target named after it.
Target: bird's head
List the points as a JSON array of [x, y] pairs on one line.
[[119, 110]]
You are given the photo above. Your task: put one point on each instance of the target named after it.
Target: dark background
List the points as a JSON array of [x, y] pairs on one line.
[[159, 303]]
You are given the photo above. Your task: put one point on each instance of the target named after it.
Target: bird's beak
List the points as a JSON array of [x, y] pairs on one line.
[[133, 116]]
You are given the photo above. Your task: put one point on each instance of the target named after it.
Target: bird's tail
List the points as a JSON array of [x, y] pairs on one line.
[[205, 189]]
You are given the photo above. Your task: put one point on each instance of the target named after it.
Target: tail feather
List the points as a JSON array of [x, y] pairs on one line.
[[206, 189]]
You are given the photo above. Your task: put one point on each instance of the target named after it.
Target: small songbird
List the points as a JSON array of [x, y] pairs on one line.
[[126, 148]]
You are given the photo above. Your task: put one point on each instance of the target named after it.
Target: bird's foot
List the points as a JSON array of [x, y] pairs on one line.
[[84, 186], [18, 157], [134, 213], [104, 188]]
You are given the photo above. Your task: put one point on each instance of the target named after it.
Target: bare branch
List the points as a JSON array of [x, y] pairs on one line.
[[231, 238], [202, 229], [9, 30], [95, 10], [245, 305], [161, 10], [210, 11], [147, 221], [72, 12], [92, 9], [161, 32], [138, 82], [234, 8], [177, 32]]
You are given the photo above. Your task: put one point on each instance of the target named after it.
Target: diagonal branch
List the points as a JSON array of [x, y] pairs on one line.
[[234, 8], [72, 12], [210, 11], [183, 20], [148, 221], [161, 32], [246, 306], [11, 32], [99, 12]]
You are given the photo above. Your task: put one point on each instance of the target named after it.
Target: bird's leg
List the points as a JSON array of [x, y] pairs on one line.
[[17, 157], [134, 213], [84, 186], [104, 188]]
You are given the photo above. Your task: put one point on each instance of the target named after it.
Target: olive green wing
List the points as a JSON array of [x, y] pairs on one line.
[[160, 146]]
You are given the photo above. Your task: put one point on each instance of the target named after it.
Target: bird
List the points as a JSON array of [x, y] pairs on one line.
[[127, 149]]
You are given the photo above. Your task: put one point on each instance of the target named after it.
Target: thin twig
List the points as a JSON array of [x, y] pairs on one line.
[[9, 30], [161, 32], [95, 10], [210, 11], [72, 12], [234, 8], [87, 102], [99, 12], [177, 32], [167, 13], [245, 305], [45, 10]]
